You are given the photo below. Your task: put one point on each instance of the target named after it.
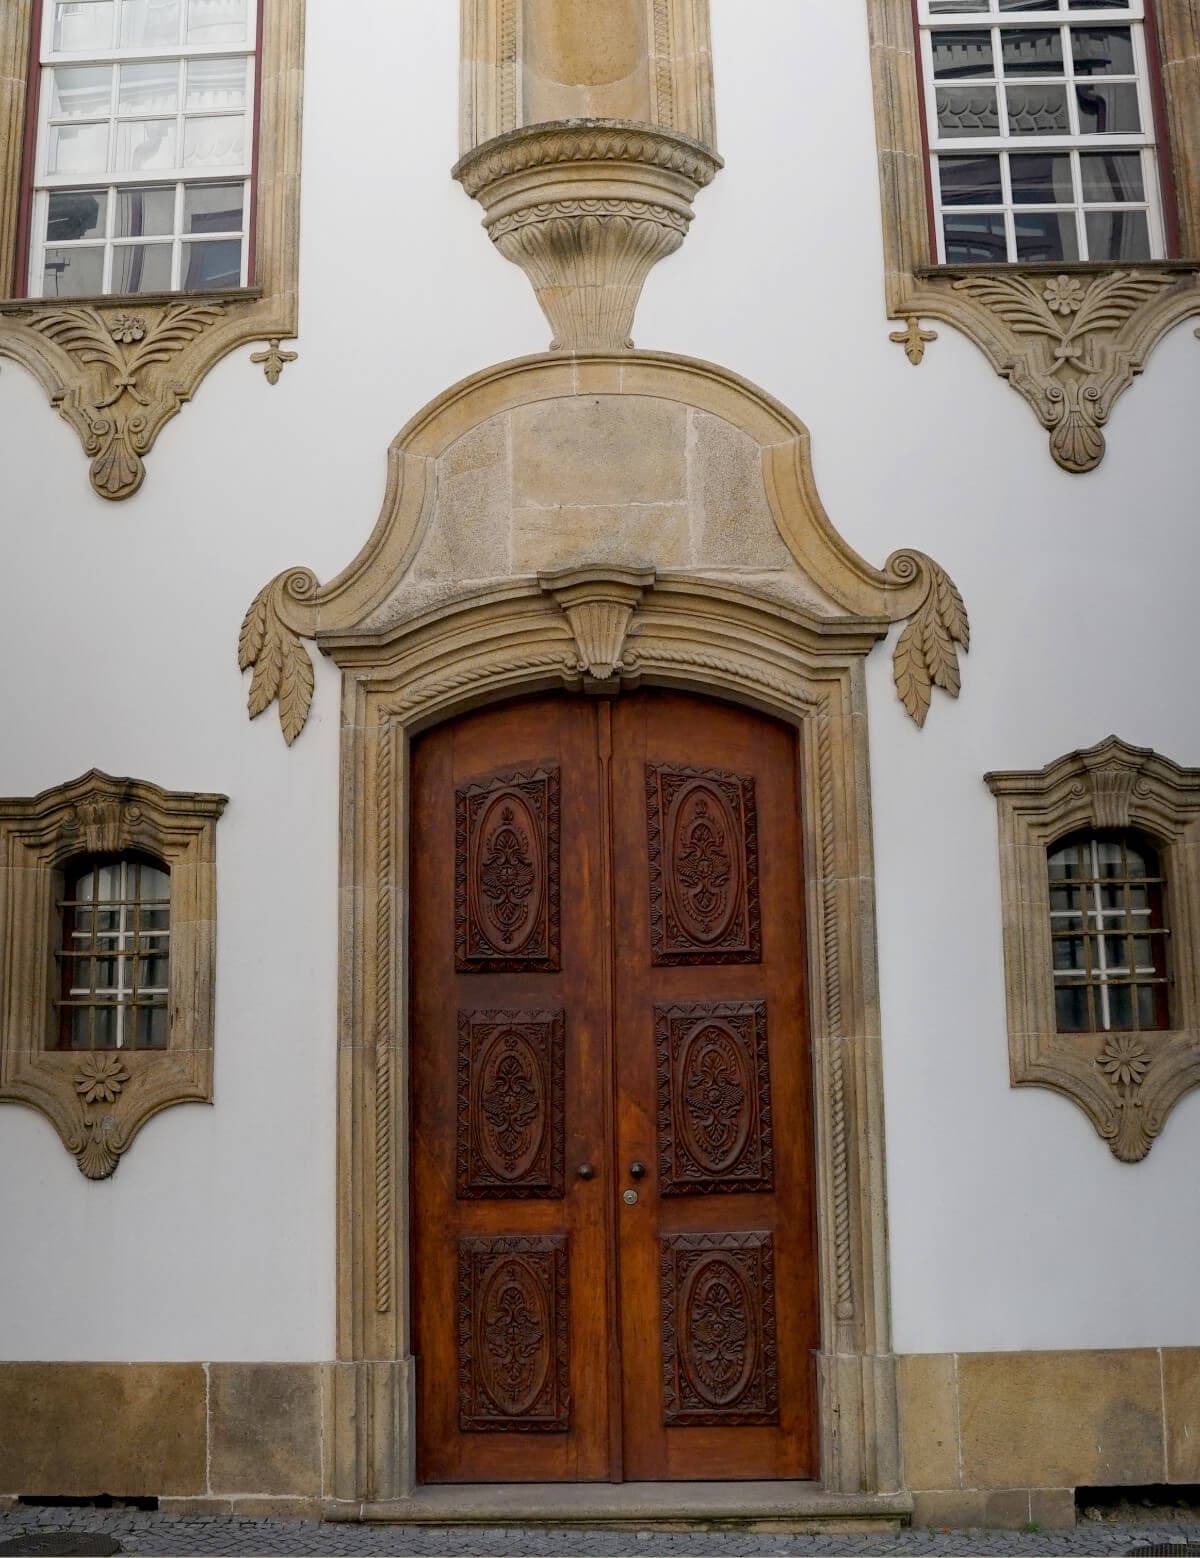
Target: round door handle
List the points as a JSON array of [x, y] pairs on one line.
[[585, 1171], [637, 1169]]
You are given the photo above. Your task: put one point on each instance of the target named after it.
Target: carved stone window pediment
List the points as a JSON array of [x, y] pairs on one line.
[[118, 368], [97, 1100], [1108, 786], [1071, 338]]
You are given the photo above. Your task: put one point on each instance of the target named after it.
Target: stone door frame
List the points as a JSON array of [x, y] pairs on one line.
[[556, 632]]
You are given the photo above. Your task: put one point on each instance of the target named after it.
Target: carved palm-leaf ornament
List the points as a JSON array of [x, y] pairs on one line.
[[926, 655], [281, 665]]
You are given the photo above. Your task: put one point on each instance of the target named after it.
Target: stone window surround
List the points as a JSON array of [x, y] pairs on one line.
[[1109, 786], [1073, 358], [119, 368], [96, 1107]]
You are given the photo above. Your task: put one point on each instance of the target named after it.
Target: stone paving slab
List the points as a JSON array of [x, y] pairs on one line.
[[167, 1535]]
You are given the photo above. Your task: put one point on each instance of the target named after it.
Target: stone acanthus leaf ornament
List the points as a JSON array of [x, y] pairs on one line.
[[272, 649], [914, 340], [125, 391], [1065, 358], [926, 655]]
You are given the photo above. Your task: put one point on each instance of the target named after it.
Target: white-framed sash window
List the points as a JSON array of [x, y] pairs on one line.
[[144, 155], [1041, 127]]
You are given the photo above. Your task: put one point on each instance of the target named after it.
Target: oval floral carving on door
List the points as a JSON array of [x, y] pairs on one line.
[[719, 1323], [716, 1107], [514, 1339], [510, 1104], [703, 841], [718, 1329], [506, 873], [714, 1097], [512, 1334]]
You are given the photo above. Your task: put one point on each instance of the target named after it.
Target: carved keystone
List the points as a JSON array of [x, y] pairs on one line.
[[599, 604], [587, 209]]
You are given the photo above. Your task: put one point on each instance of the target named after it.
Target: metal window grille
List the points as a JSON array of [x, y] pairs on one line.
[[1108, 933], [114, 957]]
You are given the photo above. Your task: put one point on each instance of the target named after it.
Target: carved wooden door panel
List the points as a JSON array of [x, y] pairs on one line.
[[607, 974], [508, 1005], [718, 1293]]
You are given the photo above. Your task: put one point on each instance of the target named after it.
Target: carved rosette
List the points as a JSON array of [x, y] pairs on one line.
[[587, 209]]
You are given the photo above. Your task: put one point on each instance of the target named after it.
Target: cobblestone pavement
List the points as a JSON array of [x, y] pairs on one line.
[[169, 1535]]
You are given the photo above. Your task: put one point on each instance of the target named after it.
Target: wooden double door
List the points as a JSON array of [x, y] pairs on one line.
[[613, 1249]]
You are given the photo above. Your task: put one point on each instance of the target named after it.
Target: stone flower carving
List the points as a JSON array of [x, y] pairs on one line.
[[100, 1078], [1064, 294], [128, 328], [1124, 1059]]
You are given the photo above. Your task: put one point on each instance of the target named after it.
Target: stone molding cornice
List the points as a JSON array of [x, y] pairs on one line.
[[1111, 785], [587, 209], [1071, 338], [98, 1100], [117, 369], [910, 587]]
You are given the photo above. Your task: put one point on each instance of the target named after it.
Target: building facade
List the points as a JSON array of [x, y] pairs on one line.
[[688, 976]]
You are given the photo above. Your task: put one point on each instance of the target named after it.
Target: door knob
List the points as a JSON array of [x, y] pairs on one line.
[[637, 1169], [585, 1171]]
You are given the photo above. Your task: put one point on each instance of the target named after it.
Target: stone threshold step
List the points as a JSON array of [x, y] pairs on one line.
[[782, 1506]]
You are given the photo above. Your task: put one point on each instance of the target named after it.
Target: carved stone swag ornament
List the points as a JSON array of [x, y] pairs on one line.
[[1126, 1083], [1070, 340], [119, 368]]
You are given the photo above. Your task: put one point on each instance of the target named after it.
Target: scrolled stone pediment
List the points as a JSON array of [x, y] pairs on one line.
[[599, 484]]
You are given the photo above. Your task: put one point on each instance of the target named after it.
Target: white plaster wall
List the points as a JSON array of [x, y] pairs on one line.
[[1012, 1226]]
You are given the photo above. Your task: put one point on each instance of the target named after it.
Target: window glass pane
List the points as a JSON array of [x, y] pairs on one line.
[[78, 148], [1112, 175], [1109, 109], [145, 144], [975, 240], [1042, 179], [82, 28], [1103, 51], [147, 23], [1120, 1006], [215, 143], [1071, 1006], [962, 54], [1029, 5], [1069, 953], [145, 213], [155, 883], [970, 181], [216, 84], [75, 213], [73, 273], [1135, 860], [142, 267], [154, 919], [152, 973], [1049, 235], [81, 1028], [81, 91], [152, 88], [1108, 853], [211, 265], [957, 7], [104, 1029], [216, 21], [1146, 1013], [151, 1027], [1030, 51], [1038, 111], [966, 111], [213, 208], [1118, 235]]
